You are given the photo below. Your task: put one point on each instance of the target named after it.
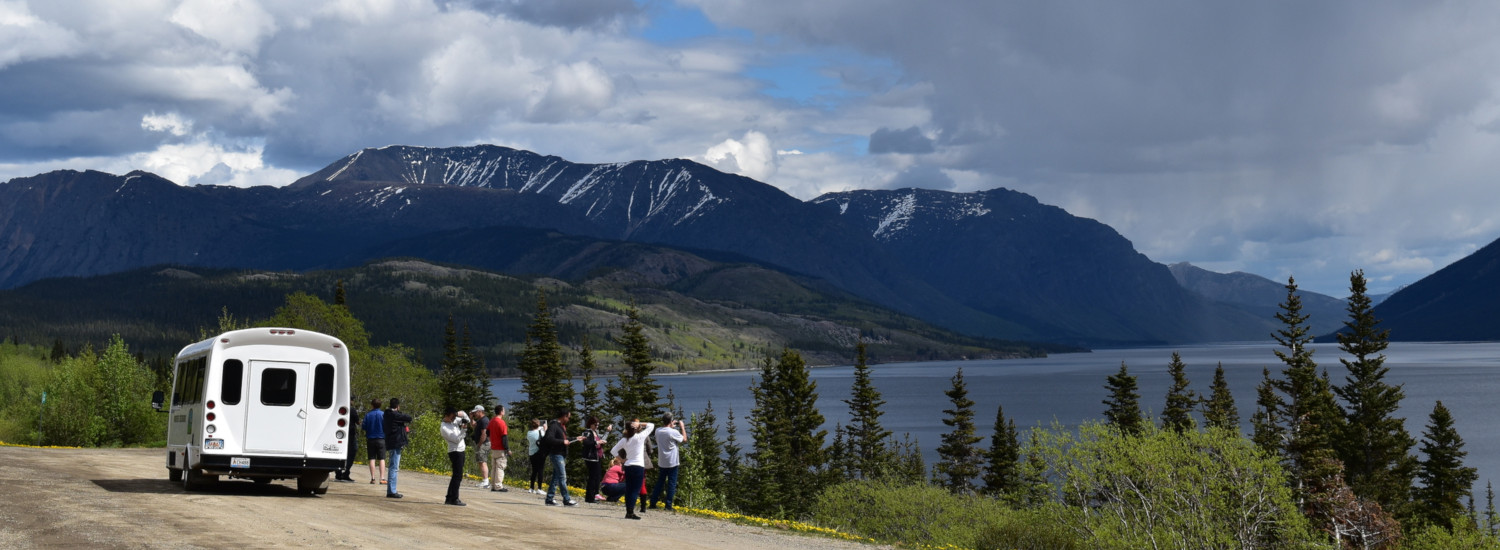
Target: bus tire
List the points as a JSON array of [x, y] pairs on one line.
[[313, 483], [192, 479], [174, 474]]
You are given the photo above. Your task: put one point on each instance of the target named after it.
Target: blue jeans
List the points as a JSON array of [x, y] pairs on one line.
[[394, 463], [635, 478], [559, 477], [668, 477]]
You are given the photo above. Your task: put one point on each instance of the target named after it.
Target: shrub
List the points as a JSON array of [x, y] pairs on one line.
[[919, 514]]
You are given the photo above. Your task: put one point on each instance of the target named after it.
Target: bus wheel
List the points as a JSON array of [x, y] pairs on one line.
[[313, 483], [192, 479], [174, 474]]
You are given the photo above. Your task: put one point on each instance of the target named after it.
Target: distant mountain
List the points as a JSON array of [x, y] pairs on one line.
[[1006, 254], [1457, 303], [994, 264], [1261, 297], [681, 296]]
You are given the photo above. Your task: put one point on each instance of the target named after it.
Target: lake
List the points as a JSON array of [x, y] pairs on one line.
[[1069, 388]]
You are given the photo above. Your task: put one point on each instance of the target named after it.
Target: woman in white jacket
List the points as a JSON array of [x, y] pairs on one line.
[[633, 441], [454, 428]]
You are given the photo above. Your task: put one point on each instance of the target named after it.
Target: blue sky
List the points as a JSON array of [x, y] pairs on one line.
[[1275, 138]]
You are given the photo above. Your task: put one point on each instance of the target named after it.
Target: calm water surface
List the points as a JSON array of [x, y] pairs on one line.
[[1069, 389]]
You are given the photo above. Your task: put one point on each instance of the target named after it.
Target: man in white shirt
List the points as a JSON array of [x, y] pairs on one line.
[[669, 439]]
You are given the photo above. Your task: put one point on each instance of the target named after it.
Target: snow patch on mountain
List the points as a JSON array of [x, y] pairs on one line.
[[897, 216]]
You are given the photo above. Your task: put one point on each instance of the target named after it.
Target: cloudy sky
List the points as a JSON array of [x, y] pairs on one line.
[[1279, 138]]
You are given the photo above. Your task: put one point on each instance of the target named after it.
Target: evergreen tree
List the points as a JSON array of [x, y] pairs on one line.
[[544, 377], [908, 466], [1374, 445], [477, 379], [868, 442], [58, 351], [450, 379], [789, 459], [1124, 402], [589, 397], [1177, 415], [702, 484], [734, 499], [338, 294], [959, 461], [1219, 410], [1266, 424], [1445, 480], [1491, 519], [1312, 417], [635, 394], [1002, 472]]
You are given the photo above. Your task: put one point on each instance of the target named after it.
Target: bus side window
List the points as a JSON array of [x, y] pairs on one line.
[[323, 386], [180, 381], [234, 382]]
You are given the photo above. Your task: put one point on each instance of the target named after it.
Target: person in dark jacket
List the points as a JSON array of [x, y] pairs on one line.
[[343, 473], [593, 450], [395, 440], [555, 445]]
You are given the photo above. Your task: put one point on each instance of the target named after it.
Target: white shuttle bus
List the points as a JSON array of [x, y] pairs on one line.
[[259, 404]]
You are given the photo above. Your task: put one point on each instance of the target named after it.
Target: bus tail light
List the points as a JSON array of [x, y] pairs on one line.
[[210, 404], [210, 417], [342, 422]]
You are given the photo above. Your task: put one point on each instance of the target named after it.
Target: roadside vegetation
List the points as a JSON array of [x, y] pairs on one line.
[[1326, 465]]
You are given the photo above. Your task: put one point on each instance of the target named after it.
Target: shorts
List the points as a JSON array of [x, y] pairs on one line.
[[482, 454], [375, 448]]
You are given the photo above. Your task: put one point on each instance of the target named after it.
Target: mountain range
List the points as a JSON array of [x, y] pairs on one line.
[[992, 264]]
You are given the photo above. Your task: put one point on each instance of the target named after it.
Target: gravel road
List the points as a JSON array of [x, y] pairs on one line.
[[120, 498]]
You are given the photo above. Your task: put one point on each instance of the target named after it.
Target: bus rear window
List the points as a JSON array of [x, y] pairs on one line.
[[323, 386], [278, 387], [234, 382]]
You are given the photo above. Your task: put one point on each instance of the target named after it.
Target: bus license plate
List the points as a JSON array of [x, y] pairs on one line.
[[239, 462], [213, 444]]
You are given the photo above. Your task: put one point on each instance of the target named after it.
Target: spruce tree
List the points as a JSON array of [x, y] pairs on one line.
[[1267, 431], [589, 397], [1445, 480], [1312, 417], [1219, 410], [338, 294], [635, 393], [702, 483], [959, 461], [1374, 445], [1002, 471], [544, 377], [789, 459], [868, 442], [1124, 402], [1177, 415], [450, 375], [477, 377]]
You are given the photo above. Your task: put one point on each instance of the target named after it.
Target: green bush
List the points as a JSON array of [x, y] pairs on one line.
[[919, 514], [1028, 530]]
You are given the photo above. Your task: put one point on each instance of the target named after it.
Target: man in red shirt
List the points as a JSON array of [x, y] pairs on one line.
[[499, 448]]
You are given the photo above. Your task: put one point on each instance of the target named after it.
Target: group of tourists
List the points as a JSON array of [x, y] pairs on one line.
[[547, 443]]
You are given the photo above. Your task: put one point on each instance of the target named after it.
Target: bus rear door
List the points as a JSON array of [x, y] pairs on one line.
[[276, 420]]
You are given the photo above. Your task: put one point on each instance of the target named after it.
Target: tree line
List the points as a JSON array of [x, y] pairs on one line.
[[1325, 464]]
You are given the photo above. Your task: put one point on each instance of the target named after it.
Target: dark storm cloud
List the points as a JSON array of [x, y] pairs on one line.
[[910, 141], [573, 14], [922, 176]]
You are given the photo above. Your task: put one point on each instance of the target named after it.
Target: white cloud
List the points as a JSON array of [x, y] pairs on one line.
[[751, 156], [24, 37], [235, 25], [171, 123]]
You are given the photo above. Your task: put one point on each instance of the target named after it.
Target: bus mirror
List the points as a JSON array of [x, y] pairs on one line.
[[156, 400]]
